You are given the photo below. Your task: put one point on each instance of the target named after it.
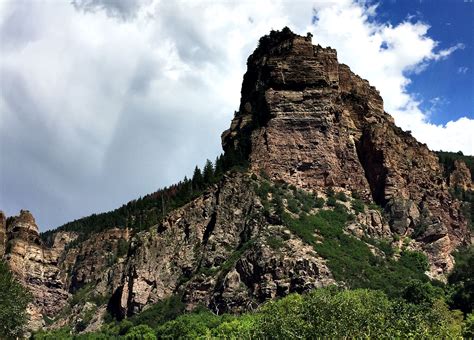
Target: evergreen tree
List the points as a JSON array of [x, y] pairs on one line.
[[208, 173], [198, 181]]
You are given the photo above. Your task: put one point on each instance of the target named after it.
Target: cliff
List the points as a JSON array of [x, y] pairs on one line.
[[334, 189], [309, 121]]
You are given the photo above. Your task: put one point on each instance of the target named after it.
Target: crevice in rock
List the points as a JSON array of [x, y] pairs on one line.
[[113, 306], [372, 160]]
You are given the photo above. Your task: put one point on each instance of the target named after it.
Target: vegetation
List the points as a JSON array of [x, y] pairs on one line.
[[13, 301], [461, 281], [322, 313], [447, 160]]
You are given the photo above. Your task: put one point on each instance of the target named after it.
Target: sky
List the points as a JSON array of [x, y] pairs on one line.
[[104, 101]]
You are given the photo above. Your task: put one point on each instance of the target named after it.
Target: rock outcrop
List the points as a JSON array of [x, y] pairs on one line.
[[461, 176], [186, 254], [36, 266], [308, 120]]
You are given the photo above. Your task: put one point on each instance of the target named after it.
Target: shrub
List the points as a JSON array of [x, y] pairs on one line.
[[414, 260], [293, 206], [275, 242], [141, 332], [331, 201], [341, 196], [319, 202], [358, 206]]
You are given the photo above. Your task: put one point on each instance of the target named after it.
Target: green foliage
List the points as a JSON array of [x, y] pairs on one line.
[[468, 327], [330, 313], [140, 332], [208, 172], [275, 242], [341, 196], [189, 326], [63, 333], [414, 260], [350, 259], [447, 160], [358, 206], [418, 292], [461, 281], [331, 201], [292, 205], [14, 299], [165, 310], [122, 247], [319, 203]]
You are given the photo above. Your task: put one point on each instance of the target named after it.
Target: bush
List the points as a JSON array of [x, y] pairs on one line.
[[189, 326], [61, 333], [319, 202], [358, 206], [141, 332], [414, 260], [341, 196], [293, 206], [331, 202]]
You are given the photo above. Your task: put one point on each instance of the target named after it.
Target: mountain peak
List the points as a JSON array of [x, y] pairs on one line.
[[309, 121]]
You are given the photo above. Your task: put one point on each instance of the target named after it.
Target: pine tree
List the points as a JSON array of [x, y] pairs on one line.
[[197, 179], [208, 173]]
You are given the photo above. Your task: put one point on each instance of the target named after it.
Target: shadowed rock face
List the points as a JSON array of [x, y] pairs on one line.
[[308, 120]]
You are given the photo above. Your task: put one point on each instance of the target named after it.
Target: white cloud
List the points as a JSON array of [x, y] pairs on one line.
[[104, 100], [463, 69], [358, 37]]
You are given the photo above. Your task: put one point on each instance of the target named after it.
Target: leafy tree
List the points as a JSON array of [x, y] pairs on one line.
[[419, 292], [14, 299], [140, 332]]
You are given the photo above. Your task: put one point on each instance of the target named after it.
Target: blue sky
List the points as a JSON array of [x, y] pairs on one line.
[[452, 80], [105, 101]]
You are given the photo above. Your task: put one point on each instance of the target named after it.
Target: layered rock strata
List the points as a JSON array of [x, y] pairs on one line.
[[308, 120]]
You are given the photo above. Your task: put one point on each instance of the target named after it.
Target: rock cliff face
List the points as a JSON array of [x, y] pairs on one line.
[[186, 253], [308, 120], [36, 267], [305, 120], [461, 176]]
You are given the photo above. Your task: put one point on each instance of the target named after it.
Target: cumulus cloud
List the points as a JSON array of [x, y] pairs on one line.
[[386, 55], [102, 101]]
